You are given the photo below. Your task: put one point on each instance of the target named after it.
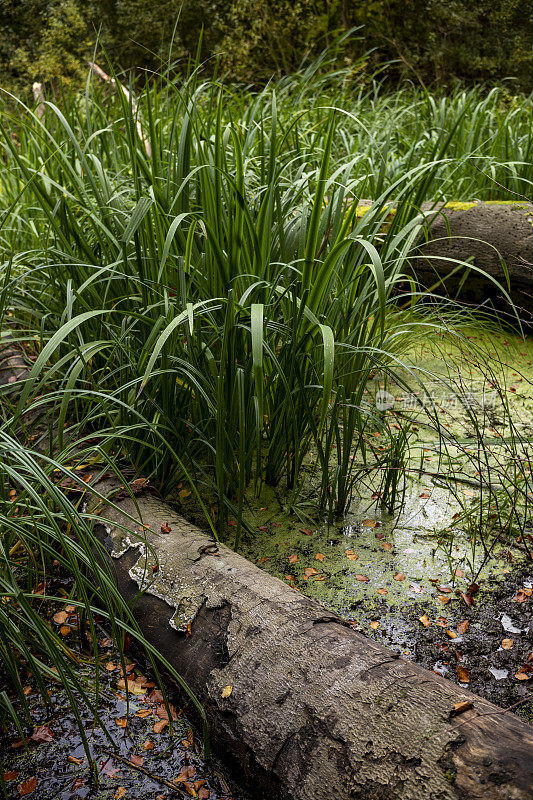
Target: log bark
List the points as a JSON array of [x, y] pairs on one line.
[[316, 711], [484, 234]]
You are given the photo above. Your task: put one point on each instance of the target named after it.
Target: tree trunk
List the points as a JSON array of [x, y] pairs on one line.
[[315, 710]]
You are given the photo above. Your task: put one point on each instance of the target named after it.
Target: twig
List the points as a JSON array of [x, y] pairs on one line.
[[131, 100], [146, 772]]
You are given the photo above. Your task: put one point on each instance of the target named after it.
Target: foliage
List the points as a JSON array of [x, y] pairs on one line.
[[430, 43]]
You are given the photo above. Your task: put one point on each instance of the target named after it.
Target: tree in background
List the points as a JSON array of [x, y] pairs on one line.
[[433, 42]]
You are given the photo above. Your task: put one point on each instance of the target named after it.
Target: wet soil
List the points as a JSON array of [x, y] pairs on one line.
[[135, 760]]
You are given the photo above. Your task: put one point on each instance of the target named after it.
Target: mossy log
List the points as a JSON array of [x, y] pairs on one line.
[[483, 234], [301, 704]]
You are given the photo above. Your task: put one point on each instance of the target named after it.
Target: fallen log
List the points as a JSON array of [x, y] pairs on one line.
[[483, 234], [301, 704]]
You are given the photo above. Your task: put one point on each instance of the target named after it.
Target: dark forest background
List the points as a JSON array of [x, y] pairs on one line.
[[434, 43]]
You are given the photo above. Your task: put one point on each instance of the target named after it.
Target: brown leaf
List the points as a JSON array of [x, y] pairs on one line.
[[320, 556], [28, 786], [463, 674], [383, 592], [64, 630], [308, 571], [226, 691], [162, 712], [444, 589], [350, 555], [10, 776], [60, 617], [165, 528], [507, 644], [451, 634], [293, 559], [160, 726], [362, 578], [306, 531], [442, 622], [462, 627], [460, 708], [520, 597], [425, 495], [121, 792], [399, 576], [74, 760], [386, 545], [374, 625], [148, 744], [203, 793], [143, 712], [370, 523], [122, 722], [443, 599], [110, 666], [137, 760], [425, 620], [469, 600], [42, 734], [184, 493]]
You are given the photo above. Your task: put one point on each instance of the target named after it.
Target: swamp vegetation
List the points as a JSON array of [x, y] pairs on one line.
[[207, 310]]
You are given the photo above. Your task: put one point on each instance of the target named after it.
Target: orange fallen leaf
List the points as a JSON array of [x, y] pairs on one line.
[[165, 528], [425, 620], [320, 556], [293, 559], [148, 744], [507, 644], [74, 760], [425, 495], [386, 545], [362, 578], [110, 666], [143, 713], [60, 617], [383, 591], [442, 622], [460, 708], [64, 630], [463, 674], [306, 531], [10, 776], [462, 627], [370, 523], [443, 599], [451, 634], [522, 676], [374, 625], [226, 691], [184, 493], [308, 571], [42, 734], [122, 722], [121, 792], [160, 726], [137, 760], [399, 576], [28, 786]]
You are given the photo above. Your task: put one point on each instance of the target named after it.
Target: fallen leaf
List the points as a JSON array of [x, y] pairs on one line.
[[425, 620], [451, 634], [459, 573], [306, 531], [507, 644], [184, 493], [383, 591], [463, 674], [137, 760], [64, 630], [462, 627], [350, 555], [443, 599], [203, 794], [121, 792], [148, 744], [425, 495], [122, 722], [520, 597], [308, 571], [442, 622], [160, 726], [293, 559], [28, 786], [362, 578], [143, 712], [460, 708], [370, 523], [320, 556], [42, 734], [399, 576], [165, 528], [226, 691], [374, 625], [469, 600], [74, 760], [60, 617], [10, 776], [386, 546], [110, 666], [162, 712], [444, 589]]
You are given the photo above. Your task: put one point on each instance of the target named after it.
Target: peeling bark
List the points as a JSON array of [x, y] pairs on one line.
[[317, 710]]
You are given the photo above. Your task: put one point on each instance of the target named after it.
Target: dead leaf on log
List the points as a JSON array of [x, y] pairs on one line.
[[463, 674], [226, 691], [460, 708], [165, 528]]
